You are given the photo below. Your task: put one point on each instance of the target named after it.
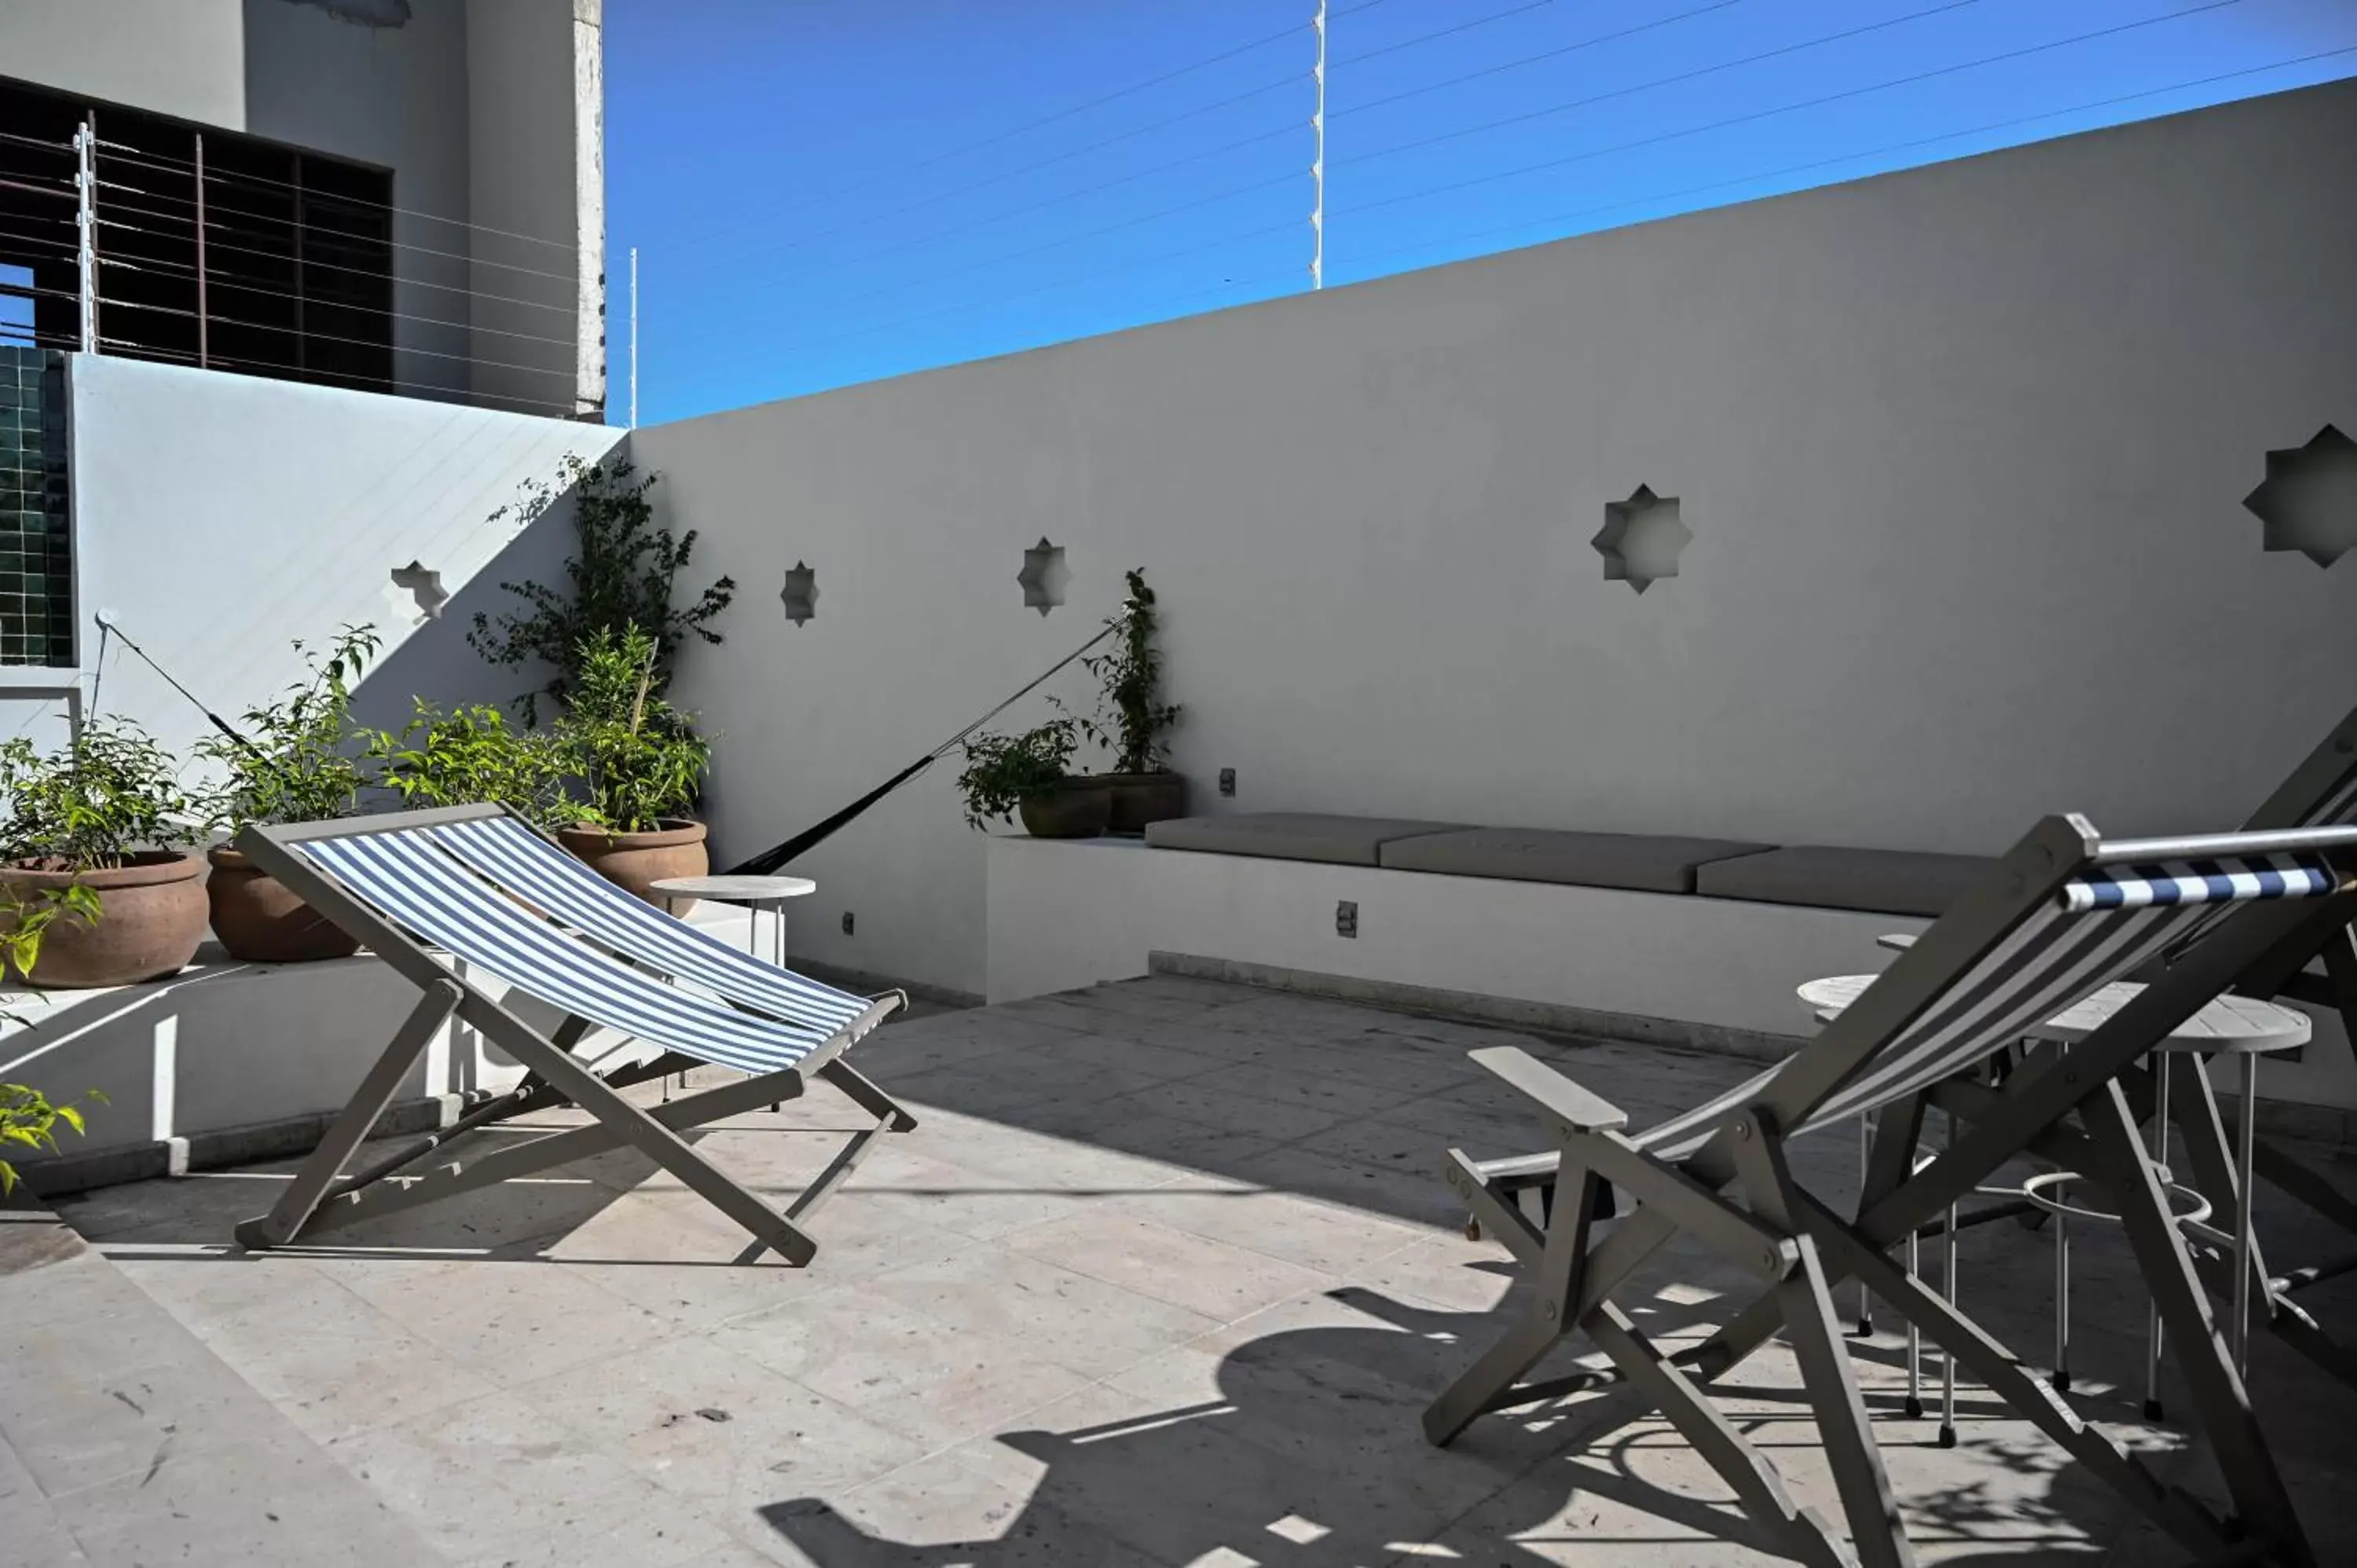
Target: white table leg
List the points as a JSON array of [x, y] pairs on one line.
[[2247, 1136], [1948, 1359], [2152, 1327], [1866, 1124]]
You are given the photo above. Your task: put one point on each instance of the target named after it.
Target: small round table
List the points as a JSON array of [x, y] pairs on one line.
[[2239, 1026], [755, 894]]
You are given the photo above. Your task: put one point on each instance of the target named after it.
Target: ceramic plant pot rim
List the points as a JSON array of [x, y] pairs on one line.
[[149, 868], [684, 830]]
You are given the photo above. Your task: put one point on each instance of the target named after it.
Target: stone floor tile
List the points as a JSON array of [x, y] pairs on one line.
[[1085, 1324]]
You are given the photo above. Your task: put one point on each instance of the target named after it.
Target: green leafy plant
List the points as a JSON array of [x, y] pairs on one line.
[[470, 754], [1131, 717], [1003, 771], [299, 765], [637, 758], [29, 1118], [623, 575], [112, 793]]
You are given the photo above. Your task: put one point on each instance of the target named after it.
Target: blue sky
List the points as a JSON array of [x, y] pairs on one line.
[[830, 191]]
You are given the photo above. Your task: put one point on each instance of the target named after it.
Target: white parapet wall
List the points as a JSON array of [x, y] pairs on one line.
[[1715, 973], [1962, 452]]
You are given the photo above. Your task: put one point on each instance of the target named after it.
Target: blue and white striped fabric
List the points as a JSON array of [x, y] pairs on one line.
[[2199, 882], [423, 888], [2056, 956], [510, 855]]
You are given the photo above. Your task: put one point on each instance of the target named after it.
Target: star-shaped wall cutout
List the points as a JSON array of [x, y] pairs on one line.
[[799, 595], [1044, 577], [2309, 500], [1641, 539], [415, 593]]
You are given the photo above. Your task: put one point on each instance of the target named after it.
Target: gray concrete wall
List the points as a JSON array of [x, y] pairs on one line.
[[395, 97], [524, 181], [1962, 450], [175, 57]]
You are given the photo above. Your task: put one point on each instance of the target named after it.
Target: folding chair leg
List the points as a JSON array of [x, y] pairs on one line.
[[1698, 1419], [1962, 1340], [548, 1150], [2243, 1459], [1811, 1325], [350, 1128], [1490, 1382], [861, 1091]]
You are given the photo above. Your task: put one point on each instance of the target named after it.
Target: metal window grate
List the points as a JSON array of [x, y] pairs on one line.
[[36, 527]]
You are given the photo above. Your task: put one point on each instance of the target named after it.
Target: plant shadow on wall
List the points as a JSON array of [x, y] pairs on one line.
[[623, 574]]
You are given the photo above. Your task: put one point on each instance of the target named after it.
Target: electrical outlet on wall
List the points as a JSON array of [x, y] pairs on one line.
[[1228, 781], [1346, 919], [847, 922]]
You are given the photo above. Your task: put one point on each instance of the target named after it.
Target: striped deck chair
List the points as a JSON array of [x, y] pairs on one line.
[[478, 885], [2062, 914]]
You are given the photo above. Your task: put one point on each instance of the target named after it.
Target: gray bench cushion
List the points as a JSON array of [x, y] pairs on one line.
[[1879, 881], [1288, 835], [1642, 861]]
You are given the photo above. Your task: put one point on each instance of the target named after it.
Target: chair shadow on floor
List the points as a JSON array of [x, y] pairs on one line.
[[1317, 1429]]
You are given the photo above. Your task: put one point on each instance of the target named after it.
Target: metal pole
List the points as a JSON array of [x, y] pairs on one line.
[[2246, 1144], [634, 337], [1317, 165], [86, 219], [204, 322]]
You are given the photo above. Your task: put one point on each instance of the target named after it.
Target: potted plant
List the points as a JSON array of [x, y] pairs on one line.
[[1131, 719], [639, 764], [295, 766], [467, 755], [96, 886], [1026, 775]]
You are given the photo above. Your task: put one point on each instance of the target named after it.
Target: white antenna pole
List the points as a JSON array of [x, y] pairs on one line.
[[1317, 165], [634, 337]]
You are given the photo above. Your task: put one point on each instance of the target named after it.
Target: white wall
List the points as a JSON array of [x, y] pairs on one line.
[[185, 57], [220, 516], [1962, 450]]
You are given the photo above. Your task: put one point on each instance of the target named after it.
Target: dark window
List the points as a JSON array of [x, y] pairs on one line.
[[213, 248]]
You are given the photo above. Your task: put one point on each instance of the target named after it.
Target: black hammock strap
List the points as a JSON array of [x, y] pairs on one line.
[[810, 838]]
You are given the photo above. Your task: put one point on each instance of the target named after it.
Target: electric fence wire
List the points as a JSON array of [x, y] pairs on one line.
[[212, 280], [925, 281], [902, 170], [1291, 127], [1809, 166], [1254, 186]]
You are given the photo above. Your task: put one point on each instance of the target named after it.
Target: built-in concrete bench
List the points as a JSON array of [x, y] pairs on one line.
[[1871, 881]]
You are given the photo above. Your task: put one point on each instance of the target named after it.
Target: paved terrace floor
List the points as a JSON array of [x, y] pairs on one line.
[[1164, 1277]]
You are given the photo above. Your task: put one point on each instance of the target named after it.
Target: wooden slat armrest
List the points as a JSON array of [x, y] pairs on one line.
[[1561, 1099]]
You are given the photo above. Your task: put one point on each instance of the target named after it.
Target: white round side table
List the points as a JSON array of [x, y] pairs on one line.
[[755, 894], [2240, 1027]]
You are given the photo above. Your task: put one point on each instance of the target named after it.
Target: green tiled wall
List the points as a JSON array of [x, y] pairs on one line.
[[36, 528]]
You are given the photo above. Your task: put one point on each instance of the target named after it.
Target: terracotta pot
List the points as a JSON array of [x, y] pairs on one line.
[[1141, 798], [1074, 812], [635, 862], [152, 918], [261, 920]]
